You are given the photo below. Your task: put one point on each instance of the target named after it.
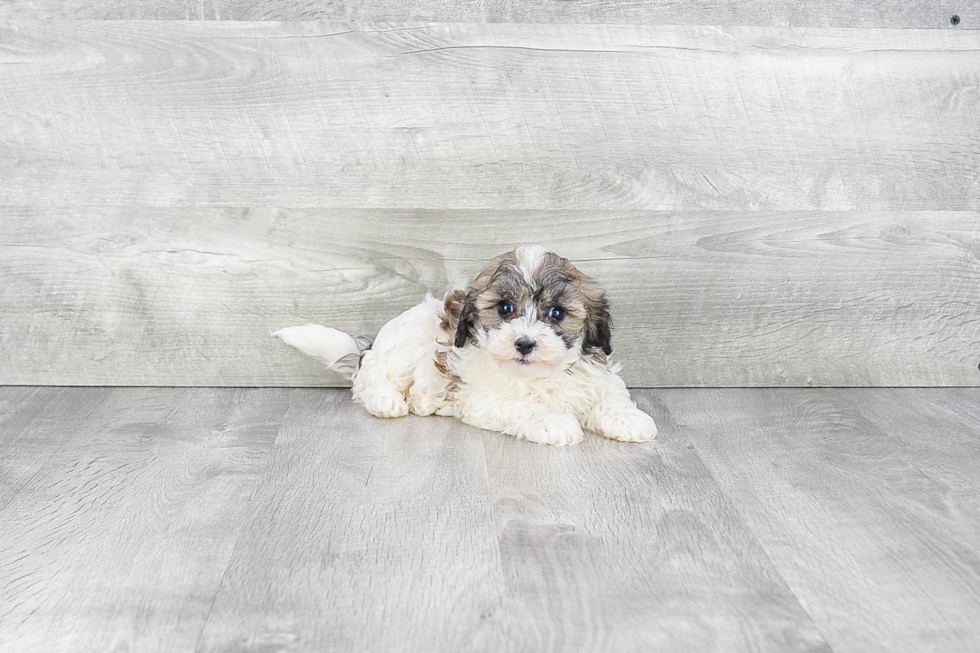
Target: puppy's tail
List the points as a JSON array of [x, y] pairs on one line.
[[340, 351]]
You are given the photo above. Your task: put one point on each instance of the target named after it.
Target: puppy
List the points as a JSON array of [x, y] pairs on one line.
[[523, 351]]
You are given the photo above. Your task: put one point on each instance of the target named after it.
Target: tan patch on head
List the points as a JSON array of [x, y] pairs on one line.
[[452, 307], [565, 286]]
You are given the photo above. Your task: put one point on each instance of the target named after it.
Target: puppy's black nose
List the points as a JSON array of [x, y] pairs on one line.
[[524, 345]]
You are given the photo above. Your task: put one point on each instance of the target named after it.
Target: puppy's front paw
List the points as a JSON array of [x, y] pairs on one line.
[[384, 403], [558, 429], [627, 425], [427, 403]]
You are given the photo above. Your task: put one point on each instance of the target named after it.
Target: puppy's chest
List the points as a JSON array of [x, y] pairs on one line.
[[475, 373]]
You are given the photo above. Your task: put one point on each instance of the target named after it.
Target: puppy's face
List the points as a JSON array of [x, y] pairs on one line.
[[535, 313]]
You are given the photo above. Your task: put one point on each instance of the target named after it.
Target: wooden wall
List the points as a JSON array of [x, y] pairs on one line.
[[774, 193]]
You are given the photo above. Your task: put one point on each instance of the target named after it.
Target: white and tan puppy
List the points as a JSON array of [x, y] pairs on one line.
[[523, 351]]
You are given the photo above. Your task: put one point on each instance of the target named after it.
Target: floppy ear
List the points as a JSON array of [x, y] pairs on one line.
[[598, 328], [466, 320]]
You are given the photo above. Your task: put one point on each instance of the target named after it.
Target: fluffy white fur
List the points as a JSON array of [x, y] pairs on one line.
[[548, 396], [552, 409], [330, 346], [398, 373]]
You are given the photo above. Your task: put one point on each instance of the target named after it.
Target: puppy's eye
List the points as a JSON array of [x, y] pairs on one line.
[[556, 313], [505, 308]]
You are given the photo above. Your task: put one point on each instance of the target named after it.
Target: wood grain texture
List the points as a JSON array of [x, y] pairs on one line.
[[488, 116], [617, 547], [189, 296], [873, 532], [120, 532], [370, 535], [929, 445], [32, 424], [145, 519], [825, 13]]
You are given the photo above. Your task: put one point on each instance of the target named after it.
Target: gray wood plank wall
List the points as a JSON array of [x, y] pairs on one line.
[[188, 296], [776, 13], [771, 204]]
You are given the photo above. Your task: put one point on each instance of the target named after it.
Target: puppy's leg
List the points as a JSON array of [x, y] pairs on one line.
[[430, 393], [386, 372], [377, 389], [520, 418], [558, 429], [616, 417], [621, 421]]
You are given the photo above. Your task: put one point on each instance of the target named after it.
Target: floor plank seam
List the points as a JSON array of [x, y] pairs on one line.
[[501, 571], [755, 538], [244, 525]]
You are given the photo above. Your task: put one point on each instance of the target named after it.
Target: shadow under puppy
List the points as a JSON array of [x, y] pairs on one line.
[[523, 351]]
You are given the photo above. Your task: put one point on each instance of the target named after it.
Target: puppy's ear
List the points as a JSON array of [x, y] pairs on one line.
[[452, 306], [598, 327], [467, 317]]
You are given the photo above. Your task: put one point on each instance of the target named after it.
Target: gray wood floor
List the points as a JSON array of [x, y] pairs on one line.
[[145, 519]]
